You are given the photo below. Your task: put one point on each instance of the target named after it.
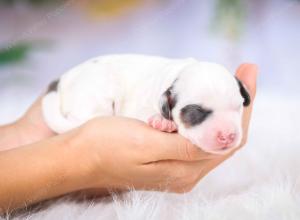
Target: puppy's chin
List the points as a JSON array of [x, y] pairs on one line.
[[209, 146], [219, 152]]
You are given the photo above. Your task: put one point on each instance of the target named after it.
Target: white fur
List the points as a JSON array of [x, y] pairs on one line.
[[134, 85], [262, 181]]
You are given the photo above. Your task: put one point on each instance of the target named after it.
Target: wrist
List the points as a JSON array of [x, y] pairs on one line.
[[92, 163], [30, 128], [19, 133], [22, 132], [10, 136], [84, 161]]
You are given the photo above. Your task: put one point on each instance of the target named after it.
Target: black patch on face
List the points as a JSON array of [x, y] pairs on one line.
[[168, 102], [244, 93], [53, 86], [193, 114]]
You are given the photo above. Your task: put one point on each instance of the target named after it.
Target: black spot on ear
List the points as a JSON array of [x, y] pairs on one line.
[[167, 103], [193, 114], [53, 86], [244, 93]]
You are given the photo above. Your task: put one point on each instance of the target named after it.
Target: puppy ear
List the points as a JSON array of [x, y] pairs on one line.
[[53, 86], [244, 93], [167, 103]]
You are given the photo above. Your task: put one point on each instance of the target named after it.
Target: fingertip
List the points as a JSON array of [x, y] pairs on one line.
[[247, 67], [247, 73]]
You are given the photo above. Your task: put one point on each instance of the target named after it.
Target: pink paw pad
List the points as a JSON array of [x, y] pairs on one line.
[[160, 123]]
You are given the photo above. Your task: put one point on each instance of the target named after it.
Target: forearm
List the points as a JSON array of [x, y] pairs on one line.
[[41, 171]]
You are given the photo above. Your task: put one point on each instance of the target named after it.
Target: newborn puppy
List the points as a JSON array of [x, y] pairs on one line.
[[200, 100]]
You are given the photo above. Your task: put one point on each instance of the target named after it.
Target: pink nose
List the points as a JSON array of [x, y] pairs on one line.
[[225, 139]]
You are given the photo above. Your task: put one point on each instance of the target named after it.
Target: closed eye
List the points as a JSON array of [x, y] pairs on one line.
[[193, 114]]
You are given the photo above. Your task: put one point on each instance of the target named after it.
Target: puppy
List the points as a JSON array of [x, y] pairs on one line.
[[200, 100]]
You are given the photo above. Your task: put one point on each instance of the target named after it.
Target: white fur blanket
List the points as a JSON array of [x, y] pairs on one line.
[[259, 182]]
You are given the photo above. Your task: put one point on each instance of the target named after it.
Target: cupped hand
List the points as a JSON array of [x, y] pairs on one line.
[[127, 153], [124, 153], [114, 153]]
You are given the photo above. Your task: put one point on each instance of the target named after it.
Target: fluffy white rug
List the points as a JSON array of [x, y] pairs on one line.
[[260, 182]]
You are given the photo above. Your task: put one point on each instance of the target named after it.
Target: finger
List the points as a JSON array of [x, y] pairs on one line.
[[174, 173], [172, 146], [247, 74]]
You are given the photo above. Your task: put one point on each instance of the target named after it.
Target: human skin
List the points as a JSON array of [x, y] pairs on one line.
[[114, 153]]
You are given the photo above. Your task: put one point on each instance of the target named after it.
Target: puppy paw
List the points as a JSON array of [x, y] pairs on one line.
[[160, 123]]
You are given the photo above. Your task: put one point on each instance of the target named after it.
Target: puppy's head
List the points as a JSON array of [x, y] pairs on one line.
[[206, 102]]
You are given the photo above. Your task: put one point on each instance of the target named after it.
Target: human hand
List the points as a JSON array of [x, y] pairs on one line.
[[146, 158], [30, 128], [126, 153]]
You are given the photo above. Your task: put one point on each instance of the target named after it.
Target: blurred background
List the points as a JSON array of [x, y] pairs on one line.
[[40, 40]]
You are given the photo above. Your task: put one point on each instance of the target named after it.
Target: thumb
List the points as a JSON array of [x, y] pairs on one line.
[[247, 73]]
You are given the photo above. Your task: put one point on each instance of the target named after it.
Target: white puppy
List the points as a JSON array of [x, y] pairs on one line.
[[201, 100]]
